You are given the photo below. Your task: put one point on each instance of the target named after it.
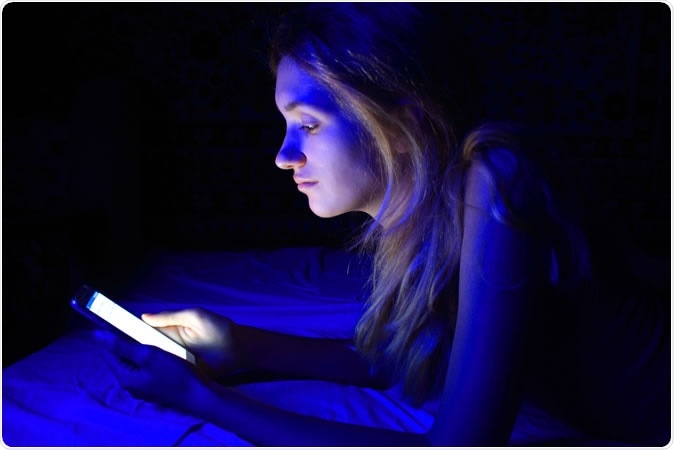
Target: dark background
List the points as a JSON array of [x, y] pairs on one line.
[[131, 128]]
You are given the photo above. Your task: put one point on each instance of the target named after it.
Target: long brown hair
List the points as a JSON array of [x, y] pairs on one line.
[[361, 52]]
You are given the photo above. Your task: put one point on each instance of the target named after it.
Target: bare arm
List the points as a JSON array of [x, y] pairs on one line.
[[141, 369], [300, 357], [269, 426], [500, 268], [232, 352], [482, 391], [481, 397]]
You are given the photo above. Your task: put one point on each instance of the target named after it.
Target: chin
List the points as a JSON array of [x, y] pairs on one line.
[[325, 213]]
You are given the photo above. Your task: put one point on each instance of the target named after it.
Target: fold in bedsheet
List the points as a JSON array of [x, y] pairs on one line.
[[64, 394]]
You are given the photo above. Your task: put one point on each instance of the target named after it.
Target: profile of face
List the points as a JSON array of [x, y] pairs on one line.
[[322, 148]]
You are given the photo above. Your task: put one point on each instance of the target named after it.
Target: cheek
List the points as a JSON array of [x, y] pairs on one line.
[[362, 168], [352, 147]]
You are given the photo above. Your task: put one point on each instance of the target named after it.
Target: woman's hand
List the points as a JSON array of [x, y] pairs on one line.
[[153, 374], [208, 335]]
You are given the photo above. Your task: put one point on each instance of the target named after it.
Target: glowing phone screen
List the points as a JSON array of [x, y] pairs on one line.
[[108, 310]]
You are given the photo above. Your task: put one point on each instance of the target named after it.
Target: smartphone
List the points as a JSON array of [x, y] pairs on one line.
[[100, 309]]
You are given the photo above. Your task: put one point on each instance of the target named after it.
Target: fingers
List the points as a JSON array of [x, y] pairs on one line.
[[174, 333], [184, 318]]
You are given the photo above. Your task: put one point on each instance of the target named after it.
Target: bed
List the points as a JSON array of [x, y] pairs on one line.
[[64, 395]]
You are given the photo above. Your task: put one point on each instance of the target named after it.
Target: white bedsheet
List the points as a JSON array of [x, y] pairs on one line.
[[64, 395]]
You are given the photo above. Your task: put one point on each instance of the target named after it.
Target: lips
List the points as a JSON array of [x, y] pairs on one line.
[[304, 183]]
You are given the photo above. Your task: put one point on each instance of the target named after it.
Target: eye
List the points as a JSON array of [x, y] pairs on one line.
[[309, 127]]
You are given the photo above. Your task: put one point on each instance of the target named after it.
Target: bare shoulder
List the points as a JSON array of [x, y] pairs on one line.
[[480, 186], [501, 183], [499, 269], [494, 246]]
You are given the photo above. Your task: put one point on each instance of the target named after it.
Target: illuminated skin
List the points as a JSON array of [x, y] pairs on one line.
[[321, 148], [482, 390], [483, 385]]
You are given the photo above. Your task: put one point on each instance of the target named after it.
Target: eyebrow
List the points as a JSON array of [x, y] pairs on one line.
[[320, 105], [294, 104]]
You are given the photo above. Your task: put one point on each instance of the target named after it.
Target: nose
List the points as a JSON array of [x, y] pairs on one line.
[[289, 156]]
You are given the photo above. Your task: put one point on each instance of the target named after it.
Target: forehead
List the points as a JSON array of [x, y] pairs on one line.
[[295, 87]]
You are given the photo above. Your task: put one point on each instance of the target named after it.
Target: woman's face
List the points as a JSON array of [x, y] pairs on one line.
[[322, 148]]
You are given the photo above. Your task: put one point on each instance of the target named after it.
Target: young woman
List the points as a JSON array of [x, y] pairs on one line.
[[469, 244]]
